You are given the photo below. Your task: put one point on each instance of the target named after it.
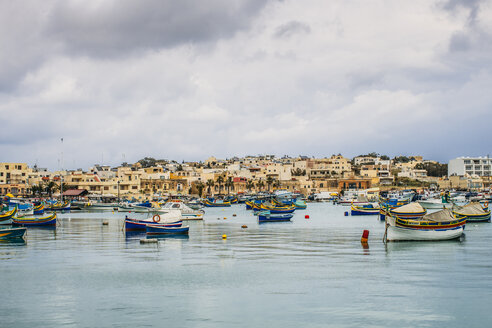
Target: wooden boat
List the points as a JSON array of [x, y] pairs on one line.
[[369, 209], [409, 211], [12, 233], [266, 216], [6, 218], [208, 203], [474, 212], [38, 209], [300, 204], [161, 220], [49, 220], [153, 230], [65, 206], [278, 209], [440, 225], [176, 206]]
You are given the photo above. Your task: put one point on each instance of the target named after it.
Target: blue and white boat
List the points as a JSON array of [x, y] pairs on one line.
[[166, 220], [155, 230], [266, 216]]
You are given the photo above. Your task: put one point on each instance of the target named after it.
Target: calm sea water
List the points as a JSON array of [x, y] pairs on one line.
[[306, 273]]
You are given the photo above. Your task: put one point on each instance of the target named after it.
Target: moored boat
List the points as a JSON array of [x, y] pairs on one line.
[[369, 209], [216, 203], [473, 212], [6, 218], [12, 233], [441, 225], [38, 209], [49, 220], [167, 220], [153, 230], [178, 206], [266, 216]]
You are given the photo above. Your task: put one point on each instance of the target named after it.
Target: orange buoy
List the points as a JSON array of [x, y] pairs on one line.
[[244, 226]]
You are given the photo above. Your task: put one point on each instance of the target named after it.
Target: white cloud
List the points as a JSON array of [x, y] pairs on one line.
[[292, 77]]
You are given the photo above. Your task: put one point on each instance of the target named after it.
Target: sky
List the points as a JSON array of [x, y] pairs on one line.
[[120, 80]]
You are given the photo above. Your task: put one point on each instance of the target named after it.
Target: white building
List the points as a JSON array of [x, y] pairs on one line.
[[461, 166]]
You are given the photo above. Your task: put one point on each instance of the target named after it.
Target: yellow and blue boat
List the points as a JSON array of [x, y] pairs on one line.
[[368, 209], [440, 225], [6, 218], [49, 220], [215, 203], [473, 212]]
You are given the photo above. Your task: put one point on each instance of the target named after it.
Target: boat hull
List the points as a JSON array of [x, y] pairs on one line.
[[156, 230], [395, 233], [49, 220], [14, 233], [141, 225], [274, 218]]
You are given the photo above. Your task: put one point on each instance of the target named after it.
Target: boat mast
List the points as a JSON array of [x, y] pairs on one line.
[[61, 173]]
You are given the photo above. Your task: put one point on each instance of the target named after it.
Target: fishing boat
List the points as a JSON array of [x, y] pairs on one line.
[[441, 225], [49, 220], [186, 212], [6, 218], [277, 209], [58, 206], [445, 201], [473, 212], [216, 203], [166, 220], [408, 211], [254, 204], [369, 209], [266, 216], [353, 199], [300, 204], [38, 209], [155, 230], [12, 233]]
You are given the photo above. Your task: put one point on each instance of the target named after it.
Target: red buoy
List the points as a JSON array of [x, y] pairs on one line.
[[365, 236], [306, 216]]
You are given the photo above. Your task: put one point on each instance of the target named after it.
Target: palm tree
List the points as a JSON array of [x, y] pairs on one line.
[[269, 182], [210, 184], [199, 187], [229, 183], [277, 184], [260, 184], [249, 185], [220, 181], [51, 187]]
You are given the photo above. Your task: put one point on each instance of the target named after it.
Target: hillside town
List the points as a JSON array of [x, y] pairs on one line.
[[151, 178]]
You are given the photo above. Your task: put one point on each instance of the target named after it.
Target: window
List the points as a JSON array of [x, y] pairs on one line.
[[134, 187]]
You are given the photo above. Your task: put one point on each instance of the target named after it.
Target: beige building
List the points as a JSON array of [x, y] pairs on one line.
[[14, 179]]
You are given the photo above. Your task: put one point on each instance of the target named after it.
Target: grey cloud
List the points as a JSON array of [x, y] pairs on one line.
[[291, 28], [472, 5], [113, 28]]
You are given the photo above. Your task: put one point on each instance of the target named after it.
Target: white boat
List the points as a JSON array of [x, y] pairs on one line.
[[325, 196], [178, 206], [441, 225]]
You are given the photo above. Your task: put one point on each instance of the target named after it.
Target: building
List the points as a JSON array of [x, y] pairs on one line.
[[461, 166]]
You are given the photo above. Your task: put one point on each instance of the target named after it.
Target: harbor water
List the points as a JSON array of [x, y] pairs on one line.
[[306, 273]]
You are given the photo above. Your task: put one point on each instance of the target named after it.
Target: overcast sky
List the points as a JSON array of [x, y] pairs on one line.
[[120, 80]]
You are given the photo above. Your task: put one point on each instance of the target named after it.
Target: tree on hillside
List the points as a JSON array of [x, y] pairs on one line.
[[147, 162]]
